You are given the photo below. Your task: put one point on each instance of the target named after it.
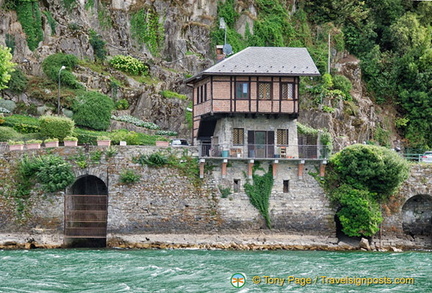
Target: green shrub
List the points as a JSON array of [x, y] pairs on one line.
[[51, 171], [51, 67], [22, 124], [173, 95], [129, 65], [131, 137], [70, 138], [33, 141], [359, 214], [56, 127], [93, 109], [357, 180], [122, 104], [18, 82], [147, 139], [15, 142], [342, 83], [86, 136], [225, 191], [156, 159], [98, 45], [8, 133], [129, 177], [368, 167]]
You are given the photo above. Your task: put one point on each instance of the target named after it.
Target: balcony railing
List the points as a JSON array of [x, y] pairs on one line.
[[265, 151]]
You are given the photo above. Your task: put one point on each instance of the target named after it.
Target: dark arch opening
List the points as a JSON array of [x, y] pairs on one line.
[[417, 216], [86, 211], [89, 185]]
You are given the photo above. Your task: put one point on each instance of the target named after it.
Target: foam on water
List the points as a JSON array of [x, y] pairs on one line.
[[204, 271]]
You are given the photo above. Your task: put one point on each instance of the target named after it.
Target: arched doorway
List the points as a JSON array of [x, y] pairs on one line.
[[417, 216], [86, 210]]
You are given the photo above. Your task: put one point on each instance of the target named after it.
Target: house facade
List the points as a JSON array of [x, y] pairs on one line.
[[247, 105]]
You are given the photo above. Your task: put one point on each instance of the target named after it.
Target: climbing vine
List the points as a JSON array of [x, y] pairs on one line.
[[146, 29], [259, 191], [324, 136], [29, 15]]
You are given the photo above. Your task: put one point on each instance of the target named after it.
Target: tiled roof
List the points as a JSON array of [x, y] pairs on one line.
[[275, 61]]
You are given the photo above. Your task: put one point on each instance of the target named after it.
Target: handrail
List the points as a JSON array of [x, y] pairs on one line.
[[264, 151]]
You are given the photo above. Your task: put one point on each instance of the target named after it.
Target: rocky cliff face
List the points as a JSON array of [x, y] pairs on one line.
[[356, 121], [186, 49]]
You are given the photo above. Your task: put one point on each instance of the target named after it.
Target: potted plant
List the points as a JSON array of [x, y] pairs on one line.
[[16, 145], [103, 141], [33, 144], [162, 143], [70, 141], [51, 142]]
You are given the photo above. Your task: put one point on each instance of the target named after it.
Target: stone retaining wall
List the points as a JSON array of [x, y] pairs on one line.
[[165, 201]]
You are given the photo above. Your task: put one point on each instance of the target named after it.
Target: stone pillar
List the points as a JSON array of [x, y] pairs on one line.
[[322, 168], [201, 168], [301, 169], [250, 168], [275, 166], [224, 168]]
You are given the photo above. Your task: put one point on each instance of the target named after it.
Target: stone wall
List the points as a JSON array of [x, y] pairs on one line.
[[165, 201], [410, 207]]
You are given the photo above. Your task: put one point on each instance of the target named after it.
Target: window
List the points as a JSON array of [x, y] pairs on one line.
[[202, 94], [237, 185], [287, 91], [282, 137], [238, 136], [264, 90], [242, 90], [286, 186]]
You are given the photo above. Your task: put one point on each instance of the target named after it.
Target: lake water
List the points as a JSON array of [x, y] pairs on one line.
[[109, 270]]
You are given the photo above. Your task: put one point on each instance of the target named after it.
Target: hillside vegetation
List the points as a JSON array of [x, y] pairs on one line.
[[170, 40]]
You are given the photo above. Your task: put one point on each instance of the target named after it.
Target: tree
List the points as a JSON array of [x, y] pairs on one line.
[[93, 109], [6, 66], [358, 180]]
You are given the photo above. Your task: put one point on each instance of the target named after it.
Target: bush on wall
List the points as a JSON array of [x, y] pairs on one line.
[[51, 67], [18, 81], [358, 179], [56, 127], [93, 109], [129, 65]]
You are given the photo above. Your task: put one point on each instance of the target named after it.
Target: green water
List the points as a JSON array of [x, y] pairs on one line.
[[209, 271]]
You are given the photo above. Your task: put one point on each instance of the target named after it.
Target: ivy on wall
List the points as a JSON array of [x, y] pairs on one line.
[[324, 136], [147, 30], [29, 15], [259, 191], [52, 172]]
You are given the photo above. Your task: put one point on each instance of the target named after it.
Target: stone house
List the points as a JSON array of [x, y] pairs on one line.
[[246, 105]]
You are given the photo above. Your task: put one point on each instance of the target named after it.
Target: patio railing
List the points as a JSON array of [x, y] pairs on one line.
[[265, 151]]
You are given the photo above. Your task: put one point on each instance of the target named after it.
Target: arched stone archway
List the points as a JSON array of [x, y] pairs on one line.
[[89, 185], [417, 215], [86, 211]]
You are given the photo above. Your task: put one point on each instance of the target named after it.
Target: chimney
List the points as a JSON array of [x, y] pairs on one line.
[[219, 53]]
